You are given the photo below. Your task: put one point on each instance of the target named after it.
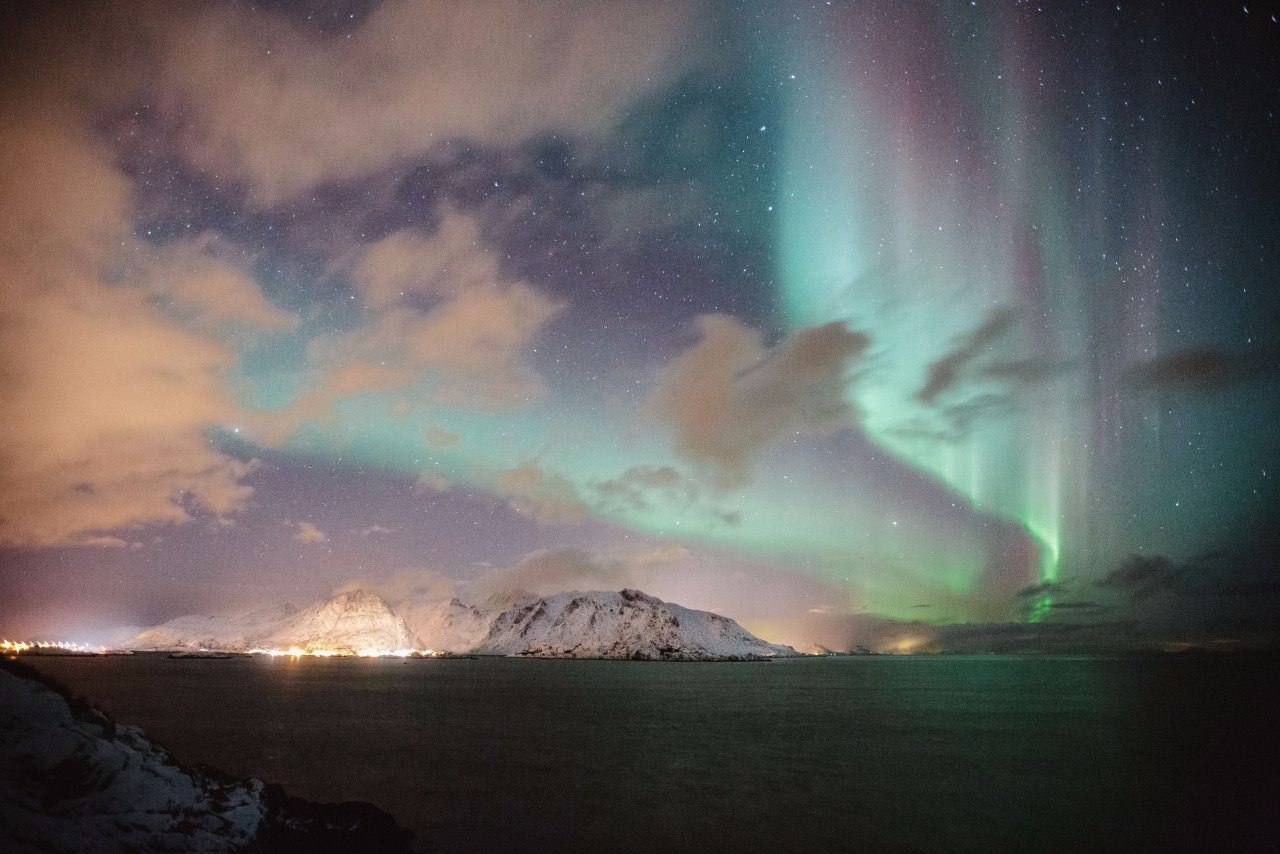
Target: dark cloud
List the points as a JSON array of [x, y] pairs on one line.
[[1224, 600], [945, 373], [1056, 595], [1039, 589], [1222, 572], [1226, 593], [1268, 587], [648, 489], [1203, 368], [1029, 371], [1141, 575], [1157, 605], [1103, 637], [638, 487], [952, 420]]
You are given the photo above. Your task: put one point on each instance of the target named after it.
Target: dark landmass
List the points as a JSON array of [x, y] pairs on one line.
[[72, 779]]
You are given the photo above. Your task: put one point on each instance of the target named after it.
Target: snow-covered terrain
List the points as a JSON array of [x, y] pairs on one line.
[[352, 621], [626, 624], [199, 632], [449, 626], [74, 781]]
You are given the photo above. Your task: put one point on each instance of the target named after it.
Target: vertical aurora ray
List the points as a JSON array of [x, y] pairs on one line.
[[821, 213], [915, 201]]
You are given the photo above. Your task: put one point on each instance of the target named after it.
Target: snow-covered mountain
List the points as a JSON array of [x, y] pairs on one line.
[[195, 631], [450, 626], [355, 620], [349, 621], [626, 624]]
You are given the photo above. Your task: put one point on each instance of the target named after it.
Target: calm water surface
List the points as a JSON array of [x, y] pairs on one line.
[[912, 754]]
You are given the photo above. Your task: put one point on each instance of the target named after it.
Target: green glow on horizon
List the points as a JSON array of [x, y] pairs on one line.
[[814, 523]]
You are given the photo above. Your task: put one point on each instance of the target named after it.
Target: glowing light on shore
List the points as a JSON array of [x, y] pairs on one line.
[[9, 647], [365, 652], [908, 645]]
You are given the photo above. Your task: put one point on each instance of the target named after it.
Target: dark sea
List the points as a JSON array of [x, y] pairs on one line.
[[989, 753]]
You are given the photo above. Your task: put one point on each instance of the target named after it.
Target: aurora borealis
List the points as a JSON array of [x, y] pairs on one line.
[[811, 313]]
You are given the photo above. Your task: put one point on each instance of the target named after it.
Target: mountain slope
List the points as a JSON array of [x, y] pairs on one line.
[[195, 631], [351, 621], [448, 626], [627, 624]]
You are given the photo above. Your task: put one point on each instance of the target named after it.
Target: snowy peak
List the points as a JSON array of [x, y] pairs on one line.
[[349, 621], [626, 624]]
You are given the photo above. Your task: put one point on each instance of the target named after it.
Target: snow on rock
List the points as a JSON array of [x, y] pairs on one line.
[[74, 785], [450, 626], [627, 624], [352, 621], [192, 631], [201, 632], [71, 780]]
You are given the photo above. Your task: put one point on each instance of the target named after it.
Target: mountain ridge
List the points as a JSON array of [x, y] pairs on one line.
[[627, 624]]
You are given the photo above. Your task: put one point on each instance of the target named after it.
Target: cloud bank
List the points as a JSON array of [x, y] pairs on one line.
[[106, 398], [729, 397], [284, 108]]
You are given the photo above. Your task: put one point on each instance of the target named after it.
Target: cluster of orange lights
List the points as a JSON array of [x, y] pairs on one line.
[[367, 652], [8, 647]]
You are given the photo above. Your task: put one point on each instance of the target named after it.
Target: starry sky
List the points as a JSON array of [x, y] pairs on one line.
[[840, 318]]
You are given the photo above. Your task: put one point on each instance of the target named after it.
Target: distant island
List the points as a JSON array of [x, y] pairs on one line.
[[627, 624]]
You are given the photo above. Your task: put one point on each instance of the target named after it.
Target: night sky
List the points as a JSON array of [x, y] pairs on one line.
[[826, 316]]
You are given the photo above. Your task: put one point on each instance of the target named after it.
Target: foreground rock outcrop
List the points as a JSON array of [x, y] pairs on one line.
[[72, 780]]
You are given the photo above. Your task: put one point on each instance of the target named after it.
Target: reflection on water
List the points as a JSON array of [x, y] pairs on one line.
[[921, 753]]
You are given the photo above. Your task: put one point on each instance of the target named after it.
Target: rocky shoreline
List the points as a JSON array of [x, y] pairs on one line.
[[73, 780]]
